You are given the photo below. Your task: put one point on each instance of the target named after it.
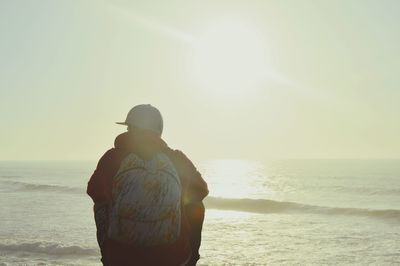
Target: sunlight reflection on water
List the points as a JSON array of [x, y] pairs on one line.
[[235, 178]]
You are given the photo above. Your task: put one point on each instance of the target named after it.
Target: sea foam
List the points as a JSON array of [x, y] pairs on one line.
[[49, 248], [24, 186], [272, 206]]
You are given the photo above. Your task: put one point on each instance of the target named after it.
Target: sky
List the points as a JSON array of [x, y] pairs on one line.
[[233, 79]]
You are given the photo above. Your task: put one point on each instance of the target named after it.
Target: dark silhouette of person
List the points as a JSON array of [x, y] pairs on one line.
[[141, 144]]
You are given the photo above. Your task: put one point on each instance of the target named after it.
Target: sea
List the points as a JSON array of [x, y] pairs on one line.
[[276, 212]]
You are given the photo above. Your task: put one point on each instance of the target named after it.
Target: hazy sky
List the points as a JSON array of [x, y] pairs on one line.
[[233, 79]]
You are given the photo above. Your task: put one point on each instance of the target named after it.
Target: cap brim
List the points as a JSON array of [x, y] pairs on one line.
[[121, 123]]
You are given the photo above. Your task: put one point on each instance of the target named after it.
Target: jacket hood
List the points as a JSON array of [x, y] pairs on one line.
[[140, 140]]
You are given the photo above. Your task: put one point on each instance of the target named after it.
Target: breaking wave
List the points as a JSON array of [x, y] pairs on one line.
[[271, 206], [23, 186], [48, 248]]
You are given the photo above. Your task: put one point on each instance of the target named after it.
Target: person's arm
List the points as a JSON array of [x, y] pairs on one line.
[[100, 184], [195, 191], [195, 211], [100, 190]]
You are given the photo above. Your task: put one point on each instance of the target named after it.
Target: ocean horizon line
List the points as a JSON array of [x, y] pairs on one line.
[[217, 159]]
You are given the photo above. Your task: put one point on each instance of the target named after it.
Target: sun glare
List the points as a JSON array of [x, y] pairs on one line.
[[229, 58]]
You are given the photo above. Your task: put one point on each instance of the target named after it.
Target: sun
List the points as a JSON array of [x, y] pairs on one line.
[[229, 58]]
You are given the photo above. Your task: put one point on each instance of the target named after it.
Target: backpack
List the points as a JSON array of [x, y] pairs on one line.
[[146, 202]]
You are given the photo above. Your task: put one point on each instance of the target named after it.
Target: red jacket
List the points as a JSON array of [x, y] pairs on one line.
[[194, 190]]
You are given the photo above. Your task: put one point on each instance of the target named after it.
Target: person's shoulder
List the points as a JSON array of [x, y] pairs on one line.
[[178, 155], [107, 157], [109, 153], [180, 159]]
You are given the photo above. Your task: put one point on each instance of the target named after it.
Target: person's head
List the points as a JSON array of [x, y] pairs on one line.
[[146, 117]]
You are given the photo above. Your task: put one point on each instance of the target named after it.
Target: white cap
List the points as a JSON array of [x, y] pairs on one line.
[[144, 116]]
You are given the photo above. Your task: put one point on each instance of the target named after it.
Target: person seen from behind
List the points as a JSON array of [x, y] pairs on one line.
[[147, 197]]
